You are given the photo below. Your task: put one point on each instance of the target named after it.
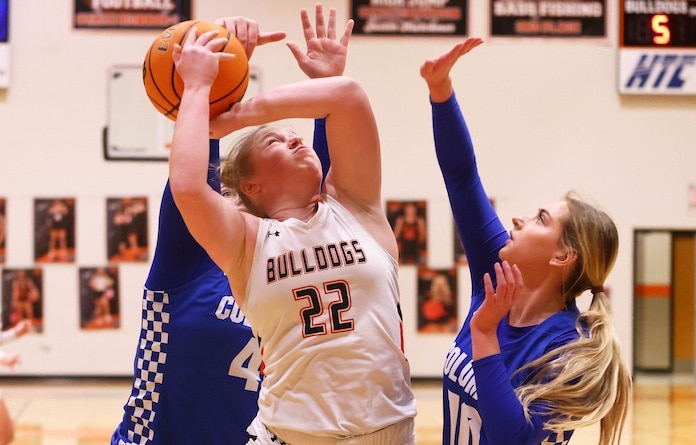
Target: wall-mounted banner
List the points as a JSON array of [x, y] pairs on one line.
[[559, 18], [657, 71], [410, 17], [130, 14]]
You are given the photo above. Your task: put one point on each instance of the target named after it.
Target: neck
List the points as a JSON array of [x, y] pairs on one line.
[[303, 212], [533, 306]]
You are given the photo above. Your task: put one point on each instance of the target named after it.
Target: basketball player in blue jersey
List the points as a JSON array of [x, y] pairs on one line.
[[196, 376], [314, 268], [527, 366]]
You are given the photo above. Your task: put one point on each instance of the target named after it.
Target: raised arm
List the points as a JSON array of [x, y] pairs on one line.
[[325, 57], [351, 130], [479, 228], [178, 258]]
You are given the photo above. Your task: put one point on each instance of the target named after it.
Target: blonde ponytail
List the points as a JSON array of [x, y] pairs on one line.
[[583, 382]]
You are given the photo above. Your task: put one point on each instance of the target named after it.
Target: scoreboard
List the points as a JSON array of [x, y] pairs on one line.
[[657, 47]]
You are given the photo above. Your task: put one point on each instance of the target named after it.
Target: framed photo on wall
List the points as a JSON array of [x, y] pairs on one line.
[[22, 297], [409, 223], [127, 232], [437, 301], [54, 230], [99, 298]]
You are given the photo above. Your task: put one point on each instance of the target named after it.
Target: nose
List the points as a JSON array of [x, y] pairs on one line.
[[517, 222], [295, 141]]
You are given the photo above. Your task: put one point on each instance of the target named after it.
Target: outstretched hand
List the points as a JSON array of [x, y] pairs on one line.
[[325, 55], [498, 301], [248, 33], [436, 72]]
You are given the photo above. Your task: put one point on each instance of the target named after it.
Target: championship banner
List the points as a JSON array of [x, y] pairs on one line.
[[409, 17], [559, 18], [130, 14]]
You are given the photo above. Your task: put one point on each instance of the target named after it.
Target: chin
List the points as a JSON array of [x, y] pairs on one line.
[[503, 253]]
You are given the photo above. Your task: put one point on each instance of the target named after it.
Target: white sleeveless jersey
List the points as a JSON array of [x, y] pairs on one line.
[[323, 298]]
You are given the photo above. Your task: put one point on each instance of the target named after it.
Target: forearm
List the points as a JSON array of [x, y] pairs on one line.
[[480, 229], [314, 98], [499, 405], [189, 154]]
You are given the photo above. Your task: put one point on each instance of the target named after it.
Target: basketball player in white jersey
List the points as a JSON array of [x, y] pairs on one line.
[[313, 267], [204, 387]]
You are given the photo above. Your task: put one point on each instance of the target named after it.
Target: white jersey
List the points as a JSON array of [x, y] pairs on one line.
[[323, 298]]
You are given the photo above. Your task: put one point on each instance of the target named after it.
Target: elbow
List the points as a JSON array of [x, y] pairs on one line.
[[184, 192], [351, 92]]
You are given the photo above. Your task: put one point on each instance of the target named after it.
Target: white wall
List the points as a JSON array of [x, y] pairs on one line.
[[545, 117]]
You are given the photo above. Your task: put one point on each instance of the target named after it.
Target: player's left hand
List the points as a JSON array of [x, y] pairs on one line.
[[326, 56], [498, 301]]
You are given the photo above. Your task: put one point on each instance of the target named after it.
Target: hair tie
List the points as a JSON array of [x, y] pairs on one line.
[[596, 289]]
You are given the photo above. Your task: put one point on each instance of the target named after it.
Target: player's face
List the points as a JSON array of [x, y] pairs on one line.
[[536, 239], [283, 155]]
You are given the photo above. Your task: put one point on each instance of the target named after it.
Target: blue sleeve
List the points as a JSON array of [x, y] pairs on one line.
[[499, 405], [321, 146], [480, 229], [178, 258]]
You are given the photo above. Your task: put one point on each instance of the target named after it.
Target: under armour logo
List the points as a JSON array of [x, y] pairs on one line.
[[276, 233]]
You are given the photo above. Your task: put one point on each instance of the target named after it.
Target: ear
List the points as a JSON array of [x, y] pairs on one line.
[[565, 257], [249, 188]]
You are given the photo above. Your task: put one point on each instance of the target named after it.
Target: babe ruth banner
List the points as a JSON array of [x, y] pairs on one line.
[[409, 17], [130, 14], [560, 18]]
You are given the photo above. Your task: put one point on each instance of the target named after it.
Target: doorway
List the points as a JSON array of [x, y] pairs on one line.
[[664, 310]]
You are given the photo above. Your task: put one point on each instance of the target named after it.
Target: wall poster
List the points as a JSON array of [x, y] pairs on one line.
[[99, 298], [126, 231], [408, 221], [437, 301], [410, 17], [22, 297], [151, 14], [539, 18], [54, 230]]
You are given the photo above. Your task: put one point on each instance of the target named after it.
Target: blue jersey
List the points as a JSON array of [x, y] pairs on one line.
[[480, 405], [196, 368]]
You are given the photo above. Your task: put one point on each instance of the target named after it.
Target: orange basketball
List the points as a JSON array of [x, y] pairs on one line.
[[164, 86]]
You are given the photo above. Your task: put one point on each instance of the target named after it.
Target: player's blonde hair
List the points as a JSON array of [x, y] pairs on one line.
[[584, 381], [237, 166]]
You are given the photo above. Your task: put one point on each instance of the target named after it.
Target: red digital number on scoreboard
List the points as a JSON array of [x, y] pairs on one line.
[[658, 23]]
